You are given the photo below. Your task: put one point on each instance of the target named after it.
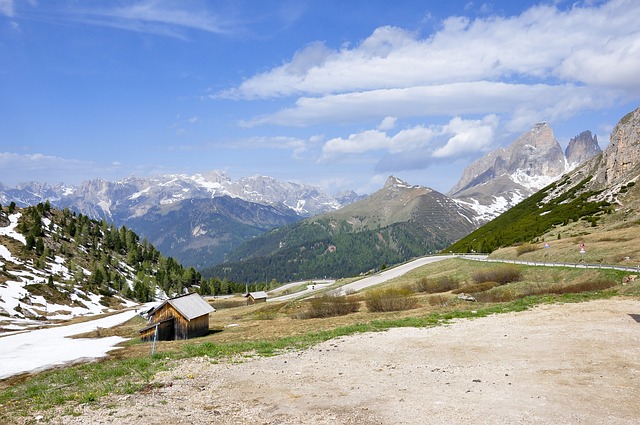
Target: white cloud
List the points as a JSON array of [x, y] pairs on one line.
[[468, 136], [144, 14], [6, 8], [158, 17], [388, 123], [546, 63], [369, 140], [479, 97], [541, 43], [462, 137]]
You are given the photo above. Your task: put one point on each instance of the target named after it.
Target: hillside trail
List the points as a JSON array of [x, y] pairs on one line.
[[556, 363]]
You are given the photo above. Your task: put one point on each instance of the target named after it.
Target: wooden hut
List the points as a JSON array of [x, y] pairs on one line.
[[182, 317], [256, 297]]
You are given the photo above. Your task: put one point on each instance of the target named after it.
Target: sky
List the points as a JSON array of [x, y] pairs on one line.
[[336, 94]]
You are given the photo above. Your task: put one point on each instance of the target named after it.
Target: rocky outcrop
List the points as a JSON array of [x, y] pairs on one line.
[[621, 158], [582, 148], [506, 176], [535, 153]]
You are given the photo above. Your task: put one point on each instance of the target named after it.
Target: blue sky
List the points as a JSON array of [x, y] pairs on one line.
[[338, 94]]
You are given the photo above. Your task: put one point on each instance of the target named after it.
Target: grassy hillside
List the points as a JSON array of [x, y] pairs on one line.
[[391, 226], [323, 247], [537, 215]]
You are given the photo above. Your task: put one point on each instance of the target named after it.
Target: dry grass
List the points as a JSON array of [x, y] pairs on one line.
[[436, 285], [497, 295], [613, 241], [390, 299], [525, 247], [500, 274], [439, 300], [329, 306], [474, 288], [578, 287]]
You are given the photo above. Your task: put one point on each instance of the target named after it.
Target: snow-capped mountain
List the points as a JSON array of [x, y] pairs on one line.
[[193, 218], [134, 196], [506, 176]]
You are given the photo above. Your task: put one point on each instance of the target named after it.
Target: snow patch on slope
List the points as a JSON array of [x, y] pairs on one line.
[[499, 205], [534, 183]]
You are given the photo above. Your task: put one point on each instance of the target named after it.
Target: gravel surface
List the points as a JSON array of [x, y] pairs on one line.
[[555, 364]]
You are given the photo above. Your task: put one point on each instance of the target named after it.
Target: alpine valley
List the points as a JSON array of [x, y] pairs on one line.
[[259, 228], [195, 219]]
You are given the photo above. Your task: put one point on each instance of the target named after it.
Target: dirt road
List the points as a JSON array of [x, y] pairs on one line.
[[570, 363]]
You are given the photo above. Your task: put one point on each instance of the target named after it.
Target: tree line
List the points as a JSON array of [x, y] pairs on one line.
[[104, 259]]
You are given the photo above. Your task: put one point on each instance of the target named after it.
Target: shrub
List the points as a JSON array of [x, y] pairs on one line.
[[496, 295], [475, 287], [438, 300], [501, 275], [434, 286], [330, 306], [525, 247], [589, 285], [390, 299]]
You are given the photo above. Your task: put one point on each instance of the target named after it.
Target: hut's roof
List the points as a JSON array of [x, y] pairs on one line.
[[189, 306], [257, 295]]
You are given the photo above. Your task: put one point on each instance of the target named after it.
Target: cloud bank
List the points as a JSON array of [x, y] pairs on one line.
[[489, 75]]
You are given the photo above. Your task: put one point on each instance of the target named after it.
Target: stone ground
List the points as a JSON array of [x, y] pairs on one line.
[[554, 364]]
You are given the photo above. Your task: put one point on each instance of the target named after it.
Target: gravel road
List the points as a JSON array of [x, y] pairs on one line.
[[554, 364]]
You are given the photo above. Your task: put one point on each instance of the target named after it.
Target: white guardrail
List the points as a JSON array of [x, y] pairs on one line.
[[476, 257]]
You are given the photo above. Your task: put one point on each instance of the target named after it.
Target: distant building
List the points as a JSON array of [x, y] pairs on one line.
[[256, 297], [182, 317]]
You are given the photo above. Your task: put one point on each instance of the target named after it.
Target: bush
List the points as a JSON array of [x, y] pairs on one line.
[[434, 286], [390, 299], [496, 295], [589, 285], [438, 300], [501, 275], [475, 287], [330, 306], [524, 248]]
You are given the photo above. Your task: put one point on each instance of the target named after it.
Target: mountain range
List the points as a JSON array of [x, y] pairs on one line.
[[197, 218], [55, 263], [201, 219], [401, 221], [397, 222]]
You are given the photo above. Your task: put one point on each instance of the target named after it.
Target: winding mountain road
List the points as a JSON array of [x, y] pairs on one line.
[[366, 282], [392, 273]]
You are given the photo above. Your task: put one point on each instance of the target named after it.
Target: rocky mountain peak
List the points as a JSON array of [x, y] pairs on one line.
[[582, 148], [393, 181], [622, 156], [534, 153], [506, 176]]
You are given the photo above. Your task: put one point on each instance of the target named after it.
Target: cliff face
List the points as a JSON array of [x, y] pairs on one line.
[[582, 148], [621, 158], [533, 154], [506, 176]]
